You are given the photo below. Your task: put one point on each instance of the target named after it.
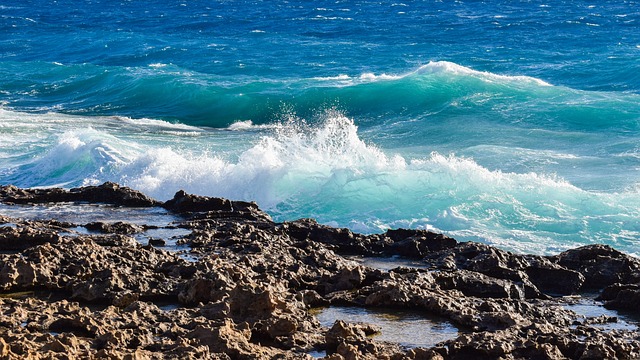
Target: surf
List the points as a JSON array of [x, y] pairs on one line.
[[322, 167]]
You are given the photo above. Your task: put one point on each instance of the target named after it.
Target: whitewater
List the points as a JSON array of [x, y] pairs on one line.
[[513, 124]]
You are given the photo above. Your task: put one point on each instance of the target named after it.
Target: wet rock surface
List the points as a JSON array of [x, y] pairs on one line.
[[248, 286], [107, 193]]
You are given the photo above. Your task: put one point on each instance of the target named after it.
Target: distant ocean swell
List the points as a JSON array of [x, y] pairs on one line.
[[167, 92]]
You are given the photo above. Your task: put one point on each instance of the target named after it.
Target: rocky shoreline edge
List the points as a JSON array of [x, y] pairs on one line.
[[248, 287]]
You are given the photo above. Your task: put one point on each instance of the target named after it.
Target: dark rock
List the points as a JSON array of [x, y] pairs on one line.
[[622, 297], [423, 241], [183, 202], [157, 242], [107, 193], [554, 279], [21, 238], [114, 228], [204, 207], [343, 240], [601, 265], [536, 275], [110, 193], [480, 285]]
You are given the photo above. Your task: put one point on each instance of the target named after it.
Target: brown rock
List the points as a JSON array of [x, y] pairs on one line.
[[347, 333], [5, 349], [601, 265], [623, 297]]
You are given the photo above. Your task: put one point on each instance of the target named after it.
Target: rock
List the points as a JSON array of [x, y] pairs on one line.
[[253, 302], [311, 298], [114, 228], [111, 240], [348, 278], [5, 349], [342, 239], [622, 297], [423, 354], [88, 271], [281, 326], [417, 243], [342, 333], [157, 242], [204, 207], [554, 279], [21, 238], [534, 274], [234, 341], [183, 202], [480, 285], [601, 265], [55, 346], [107, 193]]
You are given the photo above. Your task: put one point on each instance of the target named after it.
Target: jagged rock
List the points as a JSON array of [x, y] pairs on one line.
[[417, 243], [214, 208], [537, 274], [92, 272], [25, 237], [5, 349], [622, 297], [478, 284], [183, 202], [601, 265], [553, 279], [113, 240], [227, 339], [342, 333], [107, 193], [342, 239], [114, 228]]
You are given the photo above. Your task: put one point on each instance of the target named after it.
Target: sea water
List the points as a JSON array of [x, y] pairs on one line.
[[515, 123]]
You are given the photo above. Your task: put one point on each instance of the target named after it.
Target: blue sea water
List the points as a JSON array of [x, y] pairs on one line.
[[515, 123]]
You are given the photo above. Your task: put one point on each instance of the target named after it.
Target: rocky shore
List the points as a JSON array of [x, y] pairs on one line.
[[239, 286]]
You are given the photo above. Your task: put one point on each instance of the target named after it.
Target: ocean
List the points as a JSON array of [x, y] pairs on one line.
[[513, 123]]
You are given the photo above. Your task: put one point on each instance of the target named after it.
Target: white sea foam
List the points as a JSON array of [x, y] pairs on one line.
[[453, 68], [247, 125], [374, 77], [434, 67], [159, 124], [341, 77], [241, 125]]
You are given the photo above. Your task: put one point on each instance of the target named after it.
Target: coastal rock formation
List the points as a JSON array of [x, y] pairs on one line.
[[107, 193], [241, 286]]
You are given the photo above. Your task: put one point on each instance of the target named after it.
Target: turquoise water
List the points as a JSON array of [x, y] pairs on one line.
[[511, 123]]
